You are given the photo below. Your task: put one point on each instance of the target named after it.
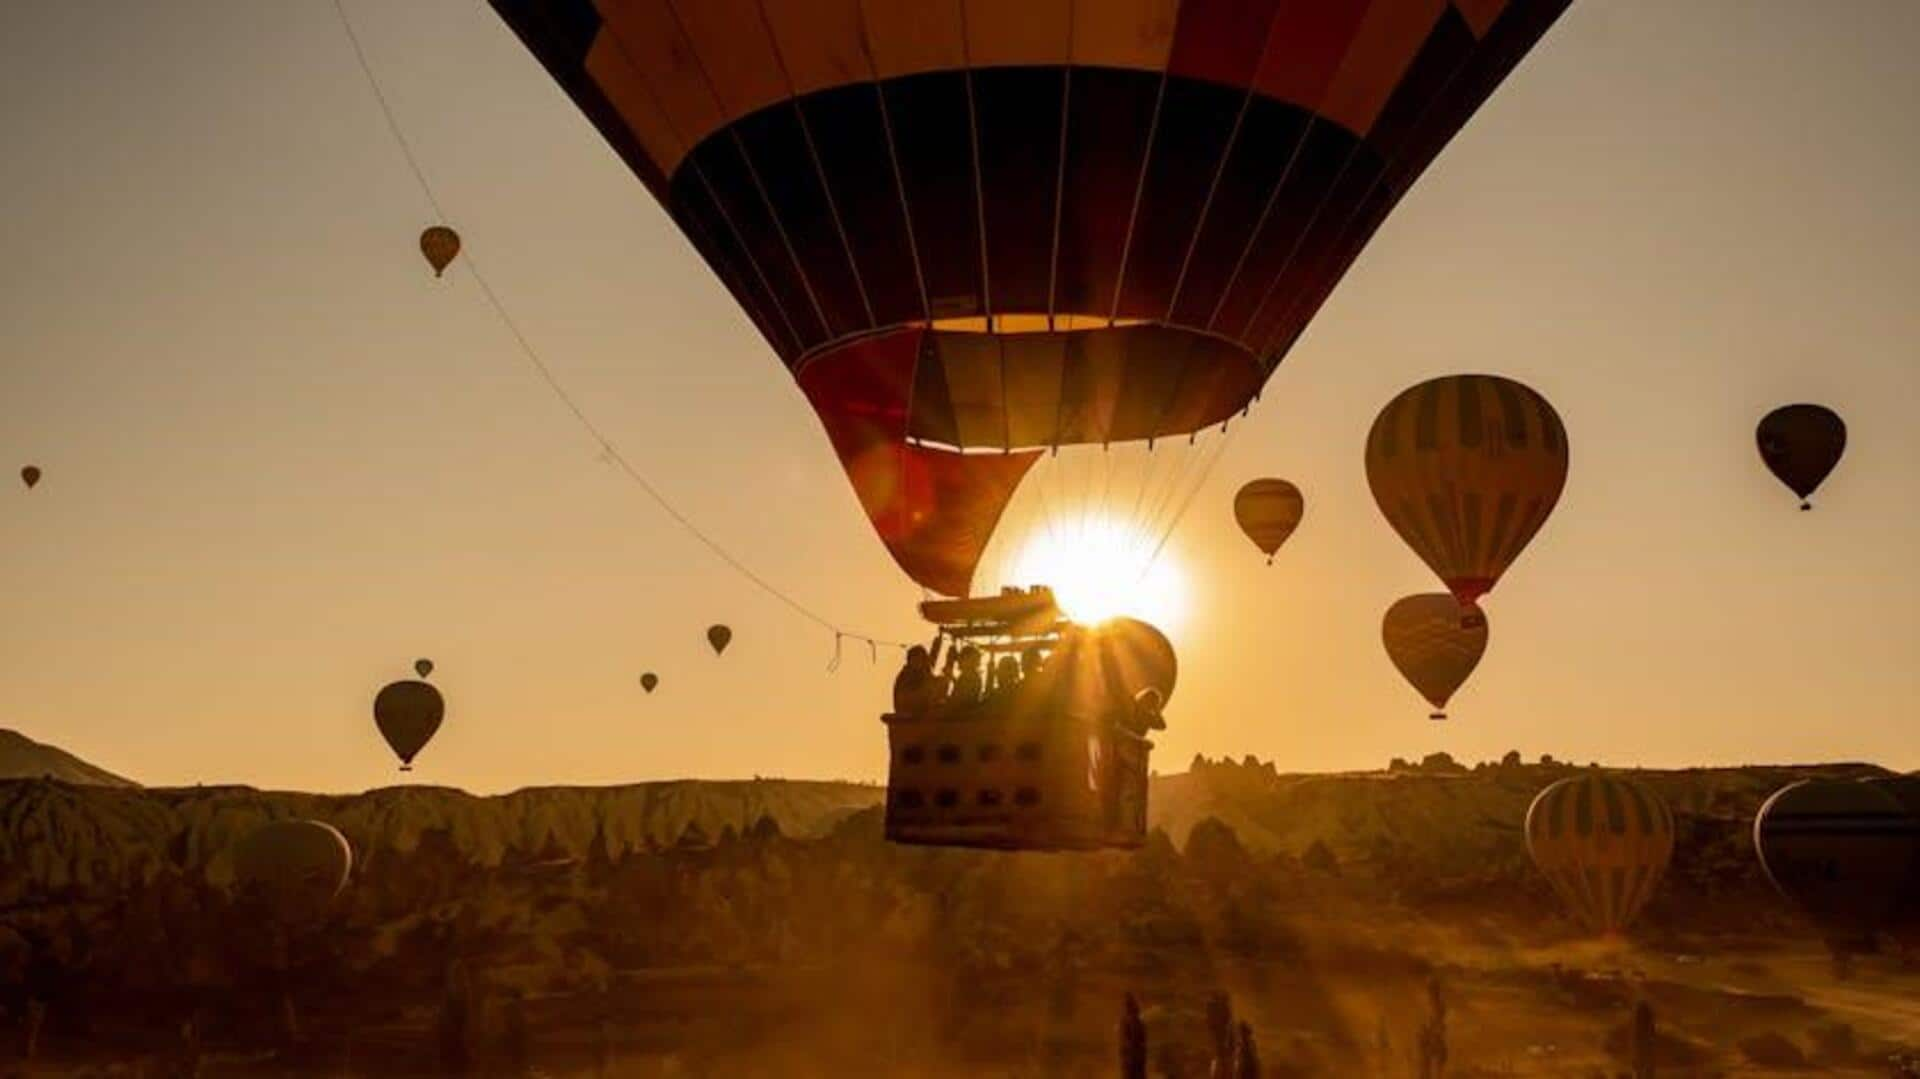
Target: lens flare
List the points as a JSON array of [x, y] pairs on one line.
[[1102, 568]]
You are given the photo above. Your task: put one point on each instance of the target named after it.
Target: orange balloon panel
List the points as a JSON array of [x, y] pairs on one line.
[[1466, 468], [1603, 842]]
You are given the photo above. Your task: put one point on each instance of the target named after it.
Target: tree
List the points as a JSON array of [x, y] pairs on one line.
[[1433, 1034], [1220, 1028], [1133, 1041], [1246, 1060]]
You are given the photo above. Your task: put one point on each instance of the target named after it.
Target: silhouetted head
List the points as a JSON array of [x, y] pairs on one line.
[[1148, 702], [918, 658], [1030, 660], [969, 658], [1007, 668]]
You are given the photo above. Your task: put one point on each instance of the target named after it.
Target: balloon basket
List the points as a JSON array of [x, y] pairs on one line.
[[1437, 715], [1805, 506], [406, 768]]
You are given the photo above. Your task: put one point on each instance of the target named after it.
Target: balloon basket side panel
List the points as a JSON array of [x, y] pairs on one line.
[[1015, 783]]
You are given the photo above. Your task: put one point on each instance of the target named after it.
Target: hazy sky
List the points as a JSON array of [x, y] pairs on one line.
[[282, 461]]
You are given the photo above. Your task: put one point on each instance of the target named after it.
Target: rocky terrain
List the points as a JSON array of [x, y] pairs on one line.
[[765, 928]]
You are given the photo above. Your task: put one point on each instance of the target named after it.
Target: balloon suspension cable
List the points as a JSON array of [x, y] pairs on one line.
[[1206, 470], [608, 451]]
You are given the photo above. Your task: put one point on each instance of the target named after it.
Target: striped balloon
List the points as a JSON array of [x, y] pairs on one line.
[[1268, 511], [1466, 468], [1845, 852], [1603, 842], [1435, 644]]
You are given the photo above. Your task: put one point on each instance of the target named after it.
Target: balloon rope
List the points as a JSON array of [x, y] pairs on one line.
[[540, 367], [1207, 470]]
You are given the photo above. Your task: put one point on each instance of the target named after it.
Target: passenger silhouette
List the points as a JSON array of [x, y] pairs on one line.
[[1146, 712], [1006, 674], [967, 684], [916, 689]]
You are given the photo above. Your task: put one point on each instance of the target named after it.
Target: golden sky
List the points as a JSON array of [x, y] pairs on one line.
[[282, 461]]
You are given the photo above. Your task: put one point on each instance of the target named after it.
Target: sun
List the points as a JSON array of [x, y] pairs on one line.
[[1101, 568]]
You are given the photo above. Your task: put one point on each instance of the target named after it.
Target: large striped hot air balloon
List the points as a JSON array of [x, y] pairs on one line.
[[1013, 225], [1466, 468], [1603, 842]]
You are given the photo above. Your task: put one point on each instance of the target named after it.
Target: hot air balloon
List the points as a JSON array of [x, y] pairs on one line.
[[1603, 842], [1845, 852], [408, 713], [441, 245], [1905, 924], [649, 680], [1800, 445], [1268, 511], [1466, 468], [719, 637], [292, 868], [30, 476], [423, 667], [1435, 643], [1023, 226]]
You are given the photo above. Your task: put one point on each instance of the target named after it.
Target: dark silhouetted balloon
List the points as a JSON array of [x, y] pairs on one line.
[[971, 226], [440, 245], [1603, 842], [649, 680], [408, 713], [1435, 642], [30, 476], [1906, 916], [1268, 511], [293, 868], [1466, 468], [423, 667], [1843, 851], [719, 637], [1800, 445]]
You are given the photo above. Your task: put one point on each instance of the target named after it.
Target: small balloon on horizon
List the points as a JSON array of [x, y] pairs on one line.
[[719, 636], [30, 476], [440, 245]]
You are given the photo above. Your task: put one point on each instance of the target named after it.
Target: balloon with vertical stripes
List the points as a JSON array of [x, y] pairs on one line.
[[1603, 842], [1466, 468]]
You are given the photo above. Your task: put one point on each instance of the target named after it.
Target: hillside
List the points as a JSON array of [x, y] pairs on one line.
[[23, 758]]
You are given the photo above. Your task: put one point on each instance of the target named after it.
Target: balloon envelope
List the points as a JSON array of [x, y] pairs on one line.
[[1435, 642], [440, 245], [423, 667], [408, 713], [294, 868], [30, 475], [719, 637], [1466, 468], [1800, 445], [649, 680], [1013, 226], [1268, 511], [1843, 851], [1603, 842]]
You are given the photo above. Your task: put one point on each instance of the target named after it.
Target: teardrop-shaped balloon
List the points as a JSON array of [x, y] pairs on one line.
[[1435, 642], [1844, 852], [719, 637], [293, 868], [30, 476], [408, 713], [649, 680], [1800, 445], [1466, 468], [440, 245], [1603, 842], [423, 667], [1268, 511]]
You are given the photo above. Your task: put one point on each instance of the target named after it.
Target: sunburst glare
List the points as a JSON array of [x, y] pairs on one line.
[[1103, 567]]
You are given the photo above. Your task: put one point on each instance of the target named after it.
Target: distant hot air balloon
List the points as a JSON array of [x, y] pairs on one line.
[[649, 680], [1800, 445], [1466, 468], [293, 868], [30, 476], [1268, 511], [440, 245], [1023, 226], [1845, 852], [423, 667], [1603, 842], [1435, 642], [719, 637], [408, 713]]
